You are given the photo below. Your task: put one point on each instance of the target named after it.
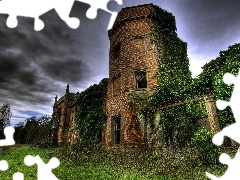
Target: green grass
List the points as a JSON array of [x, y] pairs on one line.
[[15, 158], [102, 164]]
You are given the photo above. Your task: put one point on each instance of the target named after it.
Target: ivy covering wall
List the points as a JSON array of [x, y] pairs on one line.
[[90, 115], [174, 79], [176, 85]]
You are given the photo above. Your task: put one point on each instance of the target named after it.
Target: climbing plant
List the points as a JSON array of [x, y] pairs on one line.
[[173, 72], [174, 78], [210, 81], [176, 85], [90, 115], [228, 61]]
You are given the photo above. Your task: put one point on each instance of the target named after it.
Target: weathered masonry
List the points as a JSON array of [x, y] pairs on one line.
[[64, 111], [132, 80], [132, 67]]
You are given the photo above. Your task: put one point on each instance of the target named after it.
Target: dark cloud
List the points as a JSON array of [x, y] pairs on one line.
[[70, 70], [35, 65]]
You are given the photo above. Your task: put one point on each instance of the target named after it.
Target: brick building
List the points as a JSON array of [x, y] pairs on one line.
[[132, 69], [63, 127]]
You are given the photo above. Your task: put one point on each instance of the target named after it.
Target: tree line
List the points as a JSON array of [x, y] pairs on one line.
[[36, 131]]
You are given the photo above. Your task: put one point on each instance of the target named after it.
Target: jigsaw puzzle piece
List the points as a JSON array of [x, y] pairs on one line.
[[100, 4], [18, 176], [36, 8], [95, 5], [231, 131], [44, 170], [26, 8], [8, 141], [235, 98], [3, 165]]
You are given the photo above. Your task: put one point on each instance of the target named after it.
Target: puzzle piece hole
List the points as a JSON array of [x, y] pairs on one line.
[[18, 176], [3, 165], [228, 78]]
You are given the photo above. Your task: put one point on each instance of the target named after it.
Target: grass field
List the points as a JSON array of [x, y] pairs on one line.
[[99, 164]]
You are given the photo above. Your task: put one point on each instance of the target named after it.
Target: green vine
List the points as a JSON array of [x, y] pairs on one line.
[[173, 65], [174, 82], [176, 85], [210, 80], [227, 62], [90, 115]]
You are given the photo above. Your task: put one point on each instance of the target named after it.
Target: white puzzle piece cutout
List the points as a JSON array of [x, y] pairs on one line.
[[36, 8], [18, 176], [231, 131], [100, 4], [8, 141], [3, 165], [44, 171]]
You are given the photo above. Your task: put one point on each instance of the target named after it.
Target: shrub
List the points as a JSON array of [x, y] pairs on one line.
[[208, 152]]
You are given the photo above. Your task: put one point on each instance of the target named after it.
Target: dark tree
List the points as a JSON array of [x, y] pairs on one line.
[[33, 130], [5, 114]]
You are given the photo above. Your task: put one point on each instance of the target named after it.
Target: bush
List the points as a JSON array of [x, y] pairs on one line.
[[208, 152]]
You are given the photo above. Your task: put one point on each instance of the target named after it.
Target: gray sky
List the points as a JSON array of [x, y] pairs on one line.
[[36, 66]]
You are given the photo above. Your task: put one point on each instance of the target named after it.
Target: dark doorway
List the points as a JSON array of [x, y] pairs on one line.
[[116, 129]]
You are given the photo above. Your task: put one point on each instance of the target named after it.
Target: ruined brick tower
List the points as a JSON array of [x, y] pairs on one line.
[[132, 67]]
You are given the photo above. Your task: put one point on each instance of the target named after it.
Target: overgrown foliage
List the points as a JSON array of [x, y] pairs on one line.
[[210, 81], [139, 163], [208, 152], [90, 115], [173, 77], [173, 72], [176, 85]]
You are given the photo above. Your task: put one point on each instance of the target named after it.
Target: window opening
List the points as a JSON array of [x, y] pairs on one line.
[[116, 51], [116, 129], [141, 79]]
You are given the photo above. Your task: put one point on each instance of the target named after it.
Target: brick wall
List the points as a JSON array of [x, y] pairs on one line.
[[131, 30], [66, 133]]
